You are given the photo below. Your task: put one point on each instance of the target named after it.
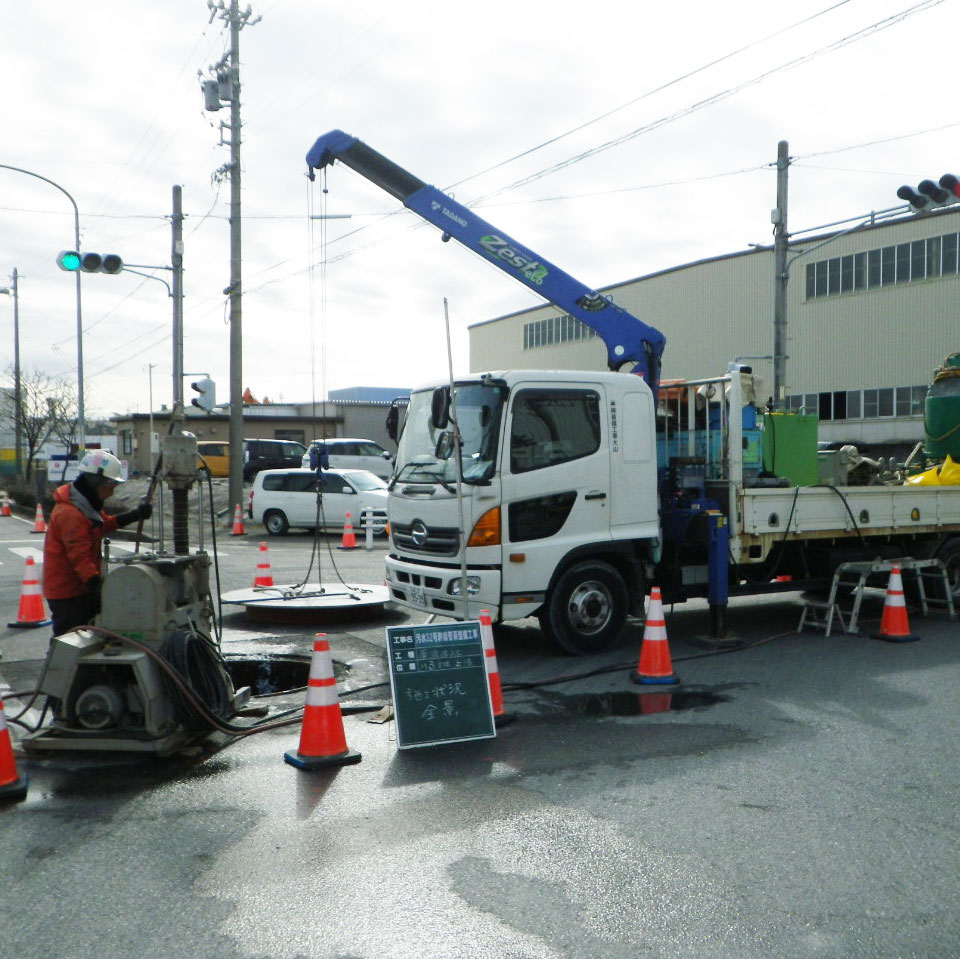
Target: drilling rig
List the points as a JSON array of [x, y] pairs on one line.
[[147, 675]]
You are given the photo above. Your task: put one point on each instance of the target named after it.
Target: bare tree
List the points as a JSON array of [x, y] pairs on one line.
[[46, 409]]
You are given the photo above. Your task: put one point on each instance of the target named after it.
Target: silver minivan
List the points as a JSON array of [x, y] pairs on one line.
[[282, 499], [344, 452]]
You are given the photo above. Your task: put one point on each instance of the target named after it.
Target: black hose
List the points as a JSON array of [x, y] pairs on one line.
[[197, 661]]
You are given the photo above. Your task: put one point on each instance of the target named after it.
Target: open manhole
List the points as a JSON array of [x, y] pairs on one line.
[[270, 674]]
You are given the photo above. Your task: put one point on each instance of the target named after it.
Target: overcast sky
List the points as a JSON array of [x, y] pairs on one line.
[[689, 98]]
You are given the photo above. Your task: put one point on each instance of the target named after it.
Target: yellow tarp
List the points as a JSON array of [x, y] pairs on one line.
[[947, 474], [950, 472]]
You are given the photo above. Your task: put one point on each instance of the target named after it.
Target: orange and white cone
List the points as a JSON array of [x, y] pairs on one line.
[[5, 508], [500, 715], [655, 665], [12, 785], [31, 612], [349, 540], [322, 740], [238, 529], [39, 526], [894, 625], [264, 576]]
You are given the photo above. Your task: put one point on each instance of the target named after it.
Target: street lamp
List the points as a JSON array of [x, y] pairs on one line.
[[18, 442], [81, 424]]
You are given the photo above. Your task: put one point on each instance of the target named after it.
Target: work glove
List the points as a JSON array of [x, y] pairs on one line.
[[143, 511]]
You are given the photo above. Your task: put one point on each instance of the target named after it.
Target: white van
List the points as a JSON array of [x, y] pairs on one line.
[[357, 454], [282, 499]]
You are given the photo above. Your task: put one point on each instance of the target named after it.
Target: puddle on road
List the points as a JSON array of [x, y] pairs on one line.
[[626, 703]]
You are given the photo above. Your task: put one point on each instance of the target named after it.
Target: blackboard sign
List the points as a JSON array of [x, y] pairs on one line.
[[438, 678]]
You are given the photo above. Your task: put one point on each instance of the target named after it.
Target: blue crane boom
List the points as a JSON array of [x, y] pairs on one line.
[[628, 339]]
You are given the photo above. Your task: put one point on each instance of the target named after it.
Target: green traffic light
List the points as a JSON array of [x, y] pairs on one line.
[[68, 260]]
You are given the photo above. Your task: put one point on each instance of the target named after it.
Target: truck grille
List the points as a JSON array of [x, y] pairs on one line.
[[440, 540]]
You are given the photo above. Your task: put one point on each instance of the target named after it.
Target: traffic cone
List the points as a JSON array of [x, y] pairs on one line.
[[322, 740], [31, 612], [5, 508], [12, 786], [349, 540], [238, 529], [654, 665], [500, 715], [264, 577], [894, 626], [39, 526]]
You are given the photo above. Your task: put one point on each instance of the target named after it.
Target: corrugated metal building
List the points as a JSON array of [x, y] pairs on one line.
[[870, 315]]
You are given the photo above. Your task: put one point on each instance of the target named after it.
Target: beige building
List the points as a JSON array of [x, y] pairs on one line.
[[870, 315]]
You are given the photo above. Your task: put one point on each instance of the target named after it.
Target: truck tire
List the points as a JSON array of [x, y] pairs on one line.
[[586, 608], [276, 523]]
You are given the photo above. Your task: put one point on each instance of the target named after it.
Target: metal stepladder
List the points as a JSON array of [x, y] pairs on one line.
[[821, 615]]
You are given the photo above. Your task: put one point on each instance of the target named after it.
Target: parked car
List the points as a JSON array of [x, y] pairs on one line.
[[351, 453], [270, 455], [282, 499], [257, 455], [215, 457]]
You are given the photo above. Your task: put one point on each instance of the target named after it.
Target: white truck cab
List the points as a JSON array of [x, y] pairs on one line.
[[559, 489]]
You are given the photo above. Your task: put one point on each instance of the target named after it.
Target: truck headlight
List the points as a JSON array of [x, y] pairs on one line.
[[473, 586]]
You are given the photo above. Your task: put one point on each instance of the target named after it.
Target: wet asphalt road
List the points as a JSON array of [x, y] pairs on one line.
[[796, 799]]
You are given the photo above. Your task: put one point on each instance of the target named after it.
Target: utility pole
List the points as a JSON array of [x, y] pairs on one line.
[[17, 398], [780, 240], [226, 87], [176, 261]]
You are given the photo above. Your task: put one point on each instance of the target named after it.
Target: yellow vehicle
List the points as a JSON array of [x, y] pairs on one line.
[[214, 455]]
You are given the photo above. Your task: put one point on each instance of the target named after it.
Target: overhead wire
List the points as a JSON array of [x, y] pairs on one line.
[[484, 200], [715, 98]]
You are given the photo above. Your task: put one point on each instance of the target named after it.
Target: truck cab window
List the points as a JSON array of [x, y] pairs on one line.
[[553, 426]]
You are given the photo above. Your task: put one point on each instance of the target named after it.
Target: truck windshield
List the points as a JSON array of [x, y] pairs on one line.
[[426, 454]]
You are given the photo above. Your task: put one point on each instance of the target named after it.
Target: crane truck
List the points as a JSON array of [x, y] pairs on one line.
[[565, 494]]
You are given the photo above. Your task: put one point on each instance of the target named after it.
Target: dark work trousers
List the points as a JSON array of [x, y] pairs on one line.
[[76, 611]]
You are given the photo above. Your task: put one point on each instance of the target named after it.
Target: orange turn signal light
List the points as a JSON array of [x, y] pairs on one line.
[[486, 532]]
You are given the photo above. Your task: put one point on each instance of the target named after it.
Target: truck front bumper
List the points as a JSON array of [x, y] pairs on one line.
[[435, 590]]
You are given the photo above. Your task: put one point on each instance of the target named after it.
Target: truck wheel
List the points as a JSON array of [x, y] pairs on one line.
[[276, 523], [586, 609]]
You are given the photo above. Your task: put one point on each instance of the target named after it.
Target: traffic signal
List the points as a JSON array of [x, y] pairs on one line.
[[72, 261], [929, 195], [208, 394]]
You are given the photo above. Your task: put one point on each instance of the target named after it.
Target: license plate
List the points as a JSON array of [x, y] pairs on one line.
[[417, 595]]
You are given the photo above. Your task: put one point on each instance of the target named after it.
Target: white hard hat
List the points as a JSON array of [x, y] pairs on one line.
[[100, 463]]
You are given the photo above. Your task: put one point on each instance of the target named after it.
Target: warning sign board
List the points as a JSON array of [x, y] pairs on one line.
[[438, 678]]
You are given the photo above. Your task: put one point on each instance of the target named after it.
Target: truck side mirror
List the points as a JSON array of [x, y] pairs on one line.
[[393, 421], [445, 445], [440, 407]]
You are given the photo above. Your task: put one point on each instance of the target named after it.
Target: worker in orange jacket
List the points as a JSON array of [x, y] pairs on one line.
[[72, 574]]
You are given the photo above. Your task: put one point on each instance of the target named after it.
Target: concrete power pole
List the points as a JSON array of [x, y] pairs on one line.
[[780, 240], [176, 260], [226, 88]]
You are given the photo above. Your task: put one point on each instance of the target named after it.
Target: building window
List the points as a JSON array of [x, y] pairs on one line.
[[885, 401], [840, 405], [948, 248], [904, 263], [555, 329], [854, 405]]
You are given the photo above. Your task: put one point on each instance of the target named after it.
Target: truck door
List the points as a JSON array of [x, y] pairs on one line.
[[555, 480]]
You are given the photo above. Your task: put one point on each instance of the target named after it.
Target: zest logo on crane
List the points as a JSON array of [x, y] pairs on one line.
[[500, 248]]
